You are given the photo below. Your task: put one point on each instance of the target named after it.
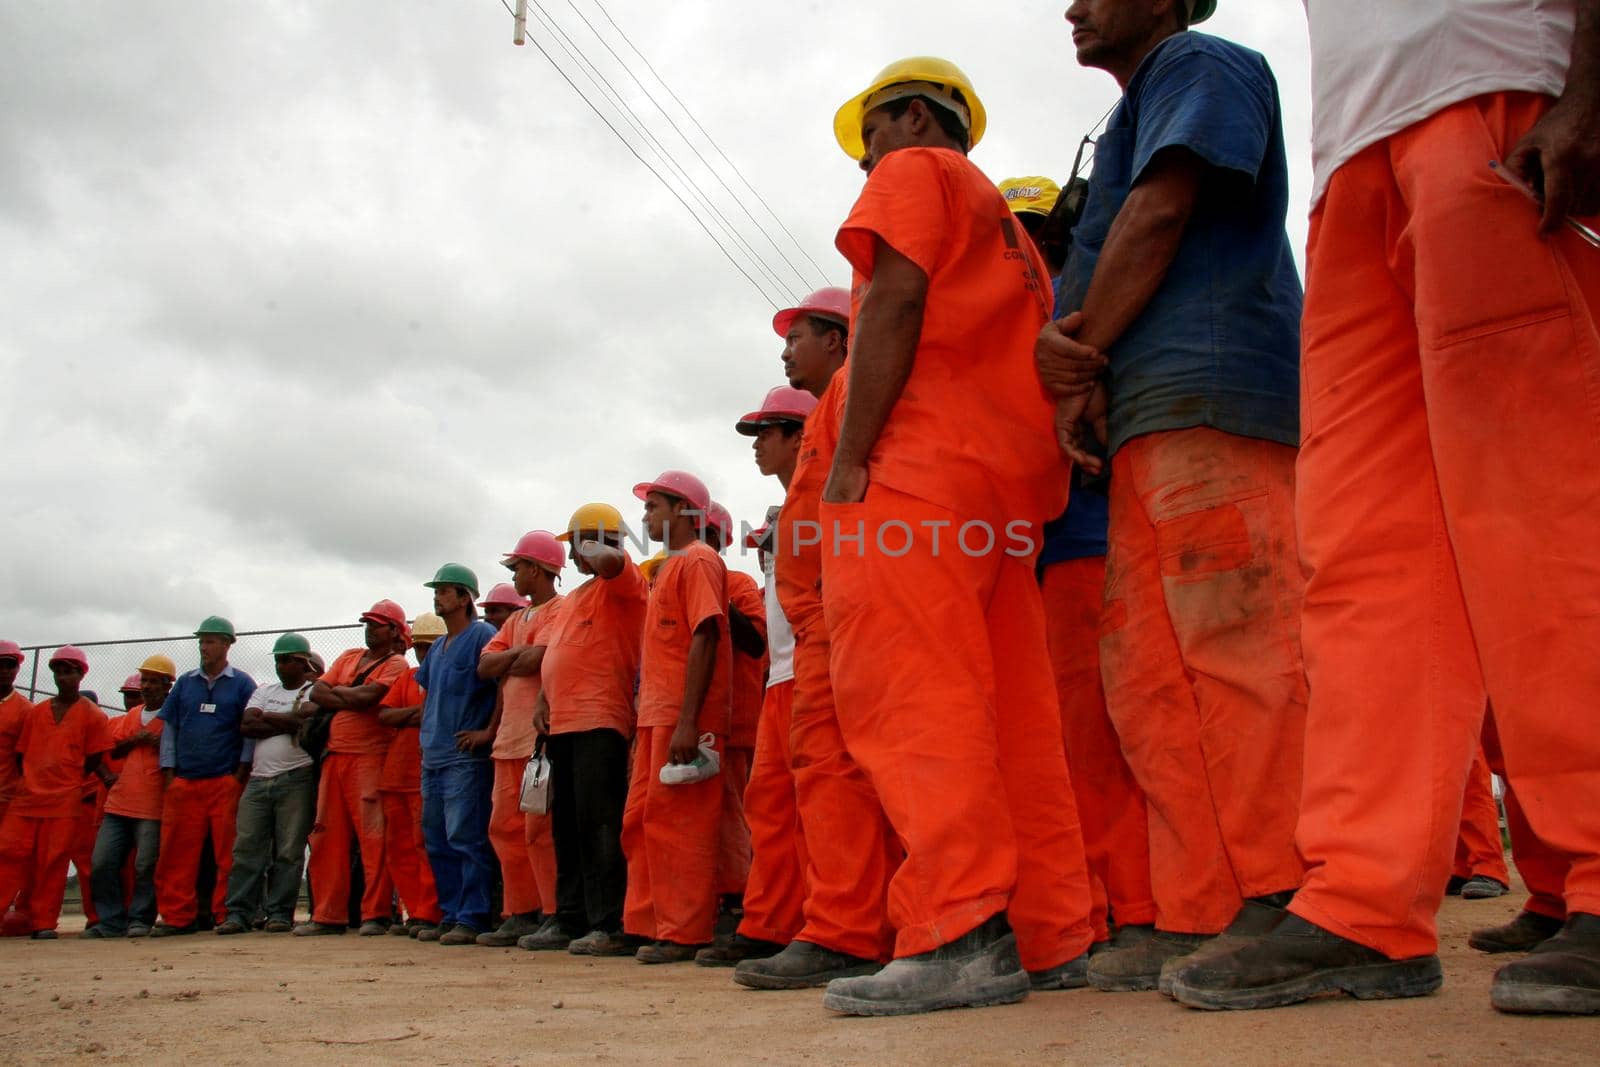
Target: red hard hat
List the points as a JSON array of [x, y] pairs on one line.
[[71, 654], [754, 538], [133, 684], [504, 594], [830, 303], [387, 612], [781, 404], [11, 650], [680, 484], [719, 519], [541, 547]]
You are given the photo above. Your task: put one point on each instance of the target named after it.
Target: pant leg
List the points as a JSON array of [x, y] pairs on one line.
[[468, 800], [294, 812], [733, 833], [252, 849], [1479, 850], [83, 838], [407, 856], [18, 839], [183, 835], [564, 828], [147, 852], [599, 795], [540, 844], [54, 842], [671, 841], [638, 908], [442, 859], [331, 838], [365, 802], [111, 849], [775, 893], [508, 836]]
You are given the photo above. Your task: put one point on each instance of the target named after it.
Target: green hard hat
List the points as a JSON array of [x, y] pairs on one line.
[[454, 574], [216, 624], [1200, 10], [290, 644]]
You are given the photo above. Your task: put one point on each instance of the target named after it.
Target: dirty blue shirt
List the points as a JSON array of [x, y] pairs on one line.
[[455, 698], [1219, 343]]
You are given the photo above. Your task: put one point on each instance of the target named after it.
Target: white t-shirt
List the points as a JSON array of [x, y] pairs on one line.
[[780, 636], [1379, 66], [277, 753]]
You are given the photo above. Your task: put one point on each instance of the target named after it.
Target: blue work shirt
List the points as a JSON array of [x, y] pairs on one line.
[[456, 698], [201, 737], [1219, 343]]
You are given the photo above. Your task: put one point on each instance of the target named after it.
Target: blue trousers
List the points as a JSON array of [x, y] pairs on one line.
[[119, 836], [455, 828]]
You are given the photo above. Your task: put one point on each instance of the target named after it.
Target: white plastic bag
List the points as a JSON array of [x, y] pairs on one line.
[[535, 798], [706, 765]]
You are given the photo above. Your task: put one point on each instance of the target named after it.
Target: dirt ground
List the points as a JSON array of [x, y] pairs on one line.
[[246, 999]]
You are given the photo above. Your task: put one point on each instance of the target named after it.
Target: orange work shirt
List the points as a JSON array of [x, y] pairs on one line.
[[973, 429], [690, 587], [140, 784], [519, 693], [591, 664], [53, 755], [402, 763], [360, 732], [749, 672], [13, 715], [798, 542]]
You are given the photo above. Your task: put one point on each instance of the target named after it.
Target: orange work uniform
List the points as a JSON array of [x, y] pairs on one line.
[[348, 801], [749, 692], [939, 664], [400, 787], [670, 832], [1543, 869], [13, 714], [1479, 850], [1448, 498], [37, 834], [521, 839]]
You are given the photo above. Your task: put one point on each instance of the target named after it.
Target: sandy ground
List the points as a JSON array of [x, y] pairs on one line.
[[343, 1000]]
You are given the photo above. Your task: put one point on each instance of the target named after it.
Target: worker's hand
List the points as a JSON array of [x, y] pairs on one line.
[[1561, 157], [145, 737], [847, 484], [1076, 419], [685, 744], [1067, 367], [541, 719], [241, 773], [468, 740]]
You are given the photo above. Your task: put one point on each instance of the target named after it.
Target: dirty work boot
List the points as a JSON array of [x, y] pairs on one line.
[[600, 943], [513, 929], [1259, 915], [801, 965], [1138, 967], [374, 928], [429, 932], [1298, 961], [164, 930], [400, 929], [460, 934], [550, 935], [316, 929], [1482, 887], [666, 952], [232, 926], [1560, 976], [278, 926], [977, 970], [726, 952], [1521, 934], [1074, 974], [1133, 934]]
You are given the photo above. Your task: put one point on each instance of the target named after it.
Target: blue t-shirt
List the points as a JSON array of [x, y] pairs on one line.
[[201, 737], [1219, 343], [456, 698]]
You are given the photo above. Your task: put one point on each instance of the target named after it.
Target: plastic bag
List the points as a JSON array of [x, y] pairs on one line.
[[535, 796]]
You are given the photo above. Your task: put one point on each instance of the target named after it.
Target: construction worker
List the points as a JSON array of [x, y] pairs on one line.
[[202, 753], [942, 477], [521, 839], [280, 799], [502, 602], [132, 822], [774, 891], [1200, 645], [63, 738], [404, 848], [670, 832], [851, 852], [1032, 200], [14, 709], [1407, 503], [457, 777], [1480, 862], [348, 804], [586, 712], [132, 692]]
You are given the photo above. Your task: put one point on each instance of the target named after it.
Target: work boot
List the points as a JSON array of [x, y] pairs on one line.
[[1298, 961], [1131, 935], [316, 929], [1452, 888], [550, 935], [164, 930], [1258, 916], [44, 935], [977, 970], [801, 965], [1521, 934], [600, 943], [401, 929], [278, 926], [1138, 967], [666, 952], [429, 933], [1482, 887], [1073, 974], [513, 929], [98, 931], [460, 934], [726, 952], [229, 927], [1560, 976], [374, 928], [138, 930]]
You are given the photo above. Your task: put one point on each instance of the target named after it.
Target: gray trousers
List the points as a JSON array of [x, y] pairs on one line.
[[275, 817]]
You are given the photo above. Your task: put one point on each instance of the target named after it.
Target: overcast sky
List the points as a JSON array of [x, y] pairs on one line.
[[299, 300]]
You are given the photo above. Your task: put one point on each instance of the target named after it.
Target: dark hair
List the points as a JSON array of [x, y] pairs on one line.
[[947, 119], [822, 325]]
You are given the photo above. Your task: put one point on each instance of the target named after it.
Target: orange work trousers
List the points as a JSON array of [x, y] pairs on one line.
[[1116, 838], [851, 850], [1478, 846], [191, 808], [775, 893], [733, 838], [349, 810], [405, 854], [947, 701], [89, 817], [523, 842], [34, 854], [1200, 655], [670, 836], [1449, 494], [1543, 869]]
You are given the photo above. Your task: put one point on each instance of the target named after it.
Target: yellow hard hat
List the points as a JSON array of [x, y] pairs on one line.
[[159, 664], [648, 567], [1033, 194], [427, 627], [937, 77], [593, 517]]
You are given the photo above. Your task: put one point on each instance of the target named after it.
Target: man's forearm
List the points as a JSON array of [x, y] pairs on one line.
[[883, 349], [702, 662]]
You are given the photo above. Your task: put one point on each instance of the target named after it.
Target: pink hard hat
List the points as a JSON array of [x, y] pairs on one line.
[[133, 683], [71, 654], [541, 547], [783, 404], [680, 484], [718, 518], [387, 612], [503, 593], [830, 303], [11, 650]]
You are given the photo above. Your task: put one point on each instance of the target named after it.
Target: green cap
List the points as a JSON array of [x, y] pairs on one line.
[[291, 644], [216, 624], [454, 574], [1200, 10]]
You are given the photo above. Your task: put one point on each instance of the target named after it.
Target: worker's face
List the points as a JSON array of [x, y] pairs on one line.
[[776, 449], [67, 677], [882, 134], [154, 688], [130, 699], [422, 650], [213, 652], [659, 511], [449, 599], [292, 670], [1106, 33], [380, 636], [811, 354], [8, 672], [497, 614], [525, 576], [579, 539]]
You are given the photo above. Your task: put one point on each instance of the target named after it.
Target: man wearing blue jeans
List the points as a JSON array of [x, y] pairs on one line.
[[457, 776]]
